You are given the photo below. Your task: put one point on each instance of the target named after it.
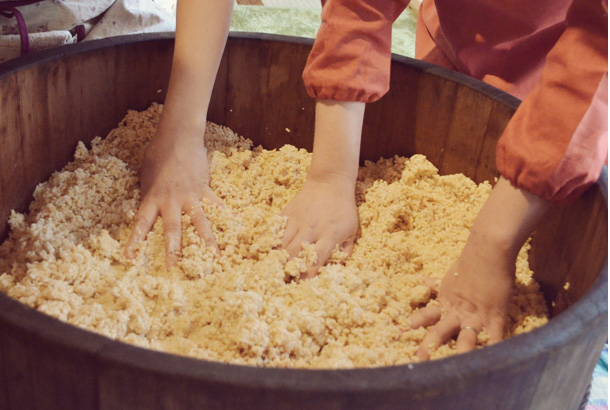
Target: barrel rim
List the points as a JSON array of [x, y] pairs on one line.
[[68, 50], [407, 377]]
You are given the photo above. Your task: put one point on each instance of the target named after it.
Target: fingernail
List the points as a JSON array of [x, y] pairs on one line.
[[173, 257], [422, 355], [307, 275], [129, 253], [401, 331]]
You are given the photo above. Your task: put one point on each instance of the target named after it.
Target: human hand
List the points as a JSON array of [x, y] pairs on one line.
[[174, 178], [475, 292], [174, 175], [323, 213], [474, 296]]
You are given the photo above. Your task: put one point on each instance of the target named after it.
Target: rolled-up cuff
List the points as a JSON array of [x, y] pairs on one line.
[[534, 165], [350, 60], [343, 93]]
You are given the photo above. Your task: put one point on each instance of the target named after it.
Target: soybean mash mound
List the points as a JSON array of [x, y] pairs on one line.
[[246, 305]]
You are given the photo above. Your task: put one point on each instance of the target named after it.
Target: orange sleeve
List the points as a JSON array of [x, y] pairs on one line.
[[350, 59], [557, 142]]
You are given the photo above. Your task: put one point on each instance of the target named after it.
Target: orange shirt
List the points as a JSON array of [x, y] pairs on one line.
[[551, 53]]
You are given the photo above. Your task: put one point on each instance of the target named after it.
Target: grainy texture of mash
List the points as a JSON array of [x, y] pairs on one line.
[[246, 305]]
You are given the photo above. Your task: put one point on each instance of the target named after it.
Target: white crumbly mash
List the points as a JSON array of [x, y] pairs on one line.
[[246, 305]]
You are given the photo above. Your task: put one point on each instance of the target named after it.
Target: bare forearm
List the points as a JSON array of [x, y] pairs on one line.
[[507, 218], [338, 132], [201, 33]]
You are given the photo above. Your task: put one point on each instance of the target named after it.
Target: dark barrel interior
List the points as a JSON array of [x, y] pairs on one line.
[[51, 100]]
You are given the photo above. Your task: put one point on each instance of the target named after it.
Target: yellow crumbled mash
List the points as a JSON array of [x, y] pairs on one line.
[[246, 305]]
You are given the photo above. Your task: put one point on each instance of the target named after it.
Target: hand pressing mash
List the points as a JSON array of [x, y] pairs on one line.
[[174, 174], [324, 211], [475, 293], [174, 177]]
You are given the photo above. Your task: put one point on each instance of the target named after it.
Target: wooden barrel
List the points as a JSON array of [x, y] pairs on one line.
[[51, 100]]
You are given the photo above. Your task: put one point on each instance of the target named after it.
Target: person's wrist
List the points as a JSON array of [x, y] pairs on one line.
[[507, 219], [339, 171], [494, 254], [494, 243], [181, 130], [341, 180]]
